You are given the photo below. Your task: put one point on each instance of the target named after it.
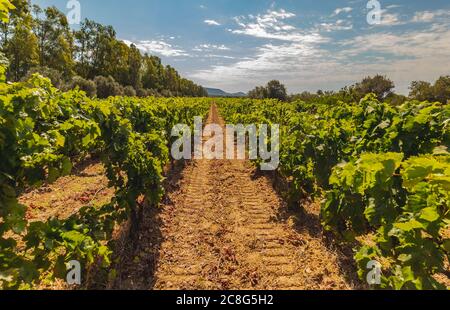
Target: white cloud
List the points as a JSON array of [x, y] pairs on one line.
[[336, 26], [298, 58], [218, 56], [211, 22], [434, 42], [390, 19], [423, 17], [394, 6], [419, 54], [295, 51], [271, 25], [393, 19], [158, 47], [430, 16], [206, 47], [271, 61], [403, 56], [342, 10]]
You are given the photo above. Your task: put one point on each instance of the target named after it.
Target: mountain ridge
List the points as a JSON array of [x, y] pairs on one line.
[[216, 92]]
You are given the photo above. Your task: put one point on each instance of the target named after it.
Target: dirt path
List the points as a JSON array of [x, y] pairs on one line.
[[223, 228]]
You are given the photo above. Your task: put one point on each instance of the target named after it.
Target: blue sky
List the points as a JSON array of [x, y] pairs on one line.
[[307, 44]]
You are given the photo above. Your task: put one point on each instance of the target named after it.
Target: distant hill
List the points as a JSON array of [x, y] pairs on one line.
[[215, 92]]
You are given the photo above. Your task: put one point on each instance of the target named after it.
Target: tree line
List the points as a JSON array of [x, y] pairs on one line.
[[37, 40], [380, 85]]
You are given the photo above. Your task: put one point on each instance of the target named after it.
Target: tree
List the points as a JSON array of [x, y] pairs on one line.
[[119, 68], [5, 6], [273, 90], [134, 67], [21, 50], [379, 85], [18, 42], [396, 100], [171, 79], [306, 96], [276, 90], [95, 49], [37, 40], [441, 89], [55, 40], [151, 72], [260, 92], [421, 91], [18, 9], [83, 47]]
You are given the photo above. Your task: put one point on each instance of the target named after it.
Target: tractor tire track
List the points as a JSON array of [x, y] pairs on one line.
[[222, 229]]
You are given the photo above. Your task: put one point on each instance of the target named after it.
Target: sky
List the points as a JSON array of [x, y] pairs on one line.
[[308, 45]]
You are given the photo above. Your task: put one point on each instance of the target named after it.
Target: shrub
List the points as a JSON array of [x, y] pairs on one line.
[[129, 91], [107, 87], [54, 75], [88, 86]]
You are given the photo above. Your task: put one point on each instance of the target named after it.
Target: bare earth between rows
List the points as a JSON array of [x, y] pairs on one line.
[[223, 227]]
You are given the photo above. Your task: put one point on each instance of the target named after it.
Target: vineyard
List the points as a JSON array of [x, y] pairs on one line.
[[381, 173], [43, 134], [359, 185]]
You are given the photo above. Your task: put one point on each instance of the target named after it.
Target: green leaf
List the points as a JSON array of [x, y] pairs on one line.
[[60, 140], [408, 226], [446, 245], [66, 166], [86, 140], [404, 257], [60, 269], [429, 214], [73, 236], [53, 174]]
